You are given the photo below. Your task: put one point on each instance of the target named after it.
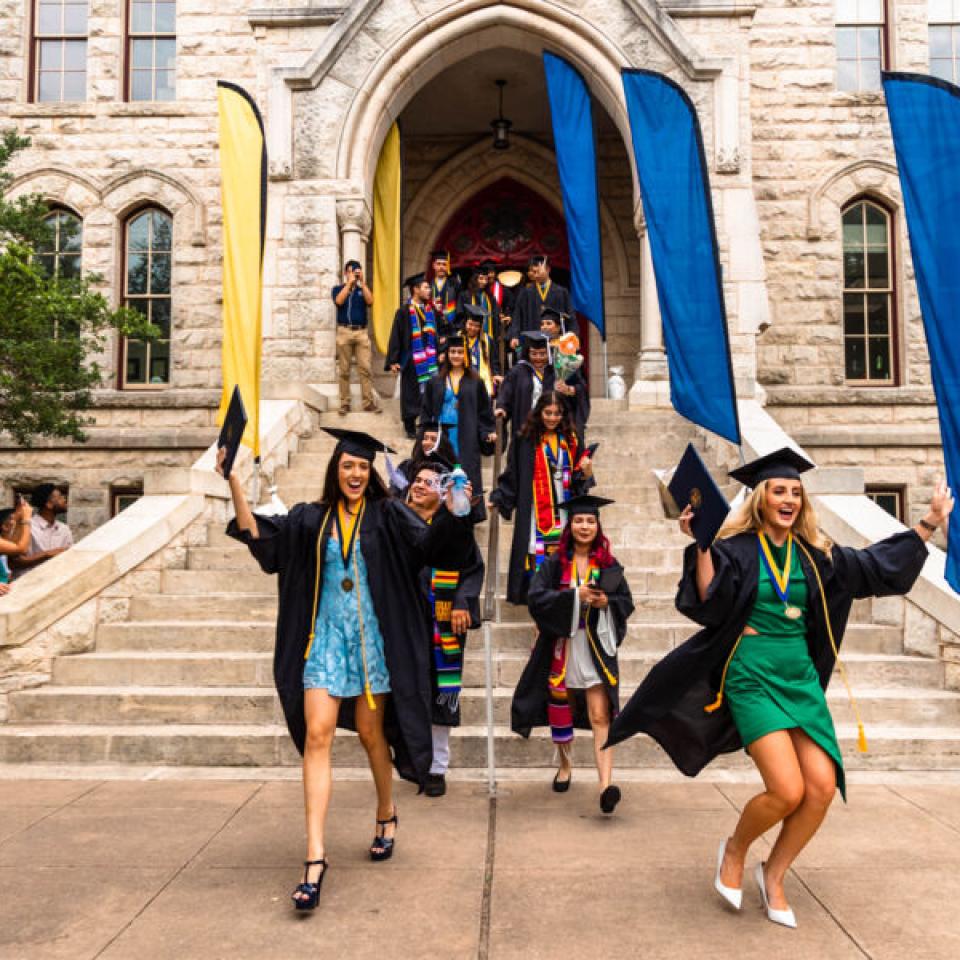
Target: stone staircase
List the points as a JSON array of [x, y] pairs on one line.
[[186, 678]]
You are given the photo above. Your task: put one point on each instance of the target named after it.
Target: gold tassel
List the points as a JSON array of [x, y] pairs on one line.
[[861, 738], [713, 707], [371, 703], [716, 705]]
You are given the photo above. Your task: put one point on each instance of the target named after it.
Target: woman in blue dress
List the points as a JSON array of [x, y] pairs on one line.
[[351, 646]]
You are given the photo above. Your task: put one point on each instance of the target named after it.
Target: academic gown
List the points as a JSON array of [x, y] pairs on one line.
[[515, 396], [529, 306], [475, 424], [443, 300], [491, 325], [396, 545], [466, 598], [551, 607], [668, 705], [400, 352], [515, 492]]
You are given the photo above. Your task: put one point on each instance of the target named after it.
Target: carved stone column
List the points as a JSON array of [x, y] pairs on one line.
[[355, 222], [650, 378]]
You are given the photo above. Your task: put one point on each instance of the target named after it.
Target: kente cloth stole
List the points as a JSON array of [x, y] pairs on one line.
[[548, 467], [423, 342], [447, 646], [559, 712]]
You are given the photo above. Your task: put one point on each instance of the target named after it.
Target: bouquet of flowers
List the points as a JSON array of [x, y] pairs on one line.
[[567, 359]]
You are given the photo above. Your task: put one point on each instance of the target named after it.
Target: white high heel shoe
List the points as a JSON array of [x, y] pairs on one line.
[[786, 917], [733, 896]]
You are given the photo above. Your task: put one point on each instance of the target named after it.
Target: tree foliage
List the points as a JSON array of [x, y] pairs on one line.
[[53, 328]]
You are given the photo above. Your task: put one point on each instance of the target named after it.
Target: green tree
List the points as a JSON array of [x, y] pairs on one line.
[[53, 324]]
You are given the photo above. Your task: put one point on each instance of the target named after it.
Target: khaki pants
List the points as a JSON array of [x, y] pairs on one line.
[[350, 344]]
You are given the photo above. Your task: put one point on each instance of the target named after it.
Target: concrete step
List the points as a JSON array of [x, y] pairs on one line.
[[240, 745], [258, 704], [247, 579], [229, 607], [213, 636]]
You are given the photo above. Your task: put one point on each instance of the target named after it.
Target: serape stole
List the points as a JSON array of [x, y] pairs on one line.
[[443, 303], [423, 342], [447, 646], [551, 468]]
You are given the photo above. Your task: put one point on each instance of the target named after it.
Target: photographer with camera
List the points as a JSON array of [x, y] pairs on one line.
[[353, 299]]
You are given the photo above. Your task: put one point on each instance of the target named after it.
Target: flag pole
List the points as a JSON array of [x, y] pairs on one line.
[[606, 371]]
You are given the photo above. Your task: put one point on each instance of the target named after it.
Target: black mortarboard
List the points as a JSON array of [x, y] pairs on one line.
[[41, 494], [435, 462], [537, 259], [417, 278], [558, 316], [693, 485], [232, 431], [456, 339], [432, 425], [585, 503], [440, 255], [477, 313], [534, 338], [356, 443], [782, 464]]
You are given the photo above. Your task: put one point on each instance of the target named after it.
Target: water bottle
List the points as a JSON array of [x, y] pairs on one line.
[[459, 501]]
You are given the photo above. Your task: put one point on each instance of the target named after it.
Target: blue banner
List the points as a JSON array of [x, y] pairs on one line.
[[925, 119], [573, 140], [675, 189]]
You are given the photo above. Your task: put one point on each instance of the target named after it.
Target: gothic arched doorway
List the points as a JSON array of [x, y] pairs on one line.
[[508, 222]]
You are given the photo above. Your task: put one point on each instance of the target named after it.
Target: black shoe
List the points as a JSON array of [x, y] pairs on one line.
[[382, 846], [436, 785], [307, 895], [610, 798], [561, 786]]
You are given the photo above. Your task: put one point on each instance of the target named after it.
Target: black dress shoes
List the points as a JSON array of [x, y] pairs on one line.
[[436, 785]]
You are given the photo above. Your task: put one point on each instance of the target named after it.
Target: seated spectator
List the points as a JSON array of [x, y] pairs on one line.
[[48, 535], [14, 538]]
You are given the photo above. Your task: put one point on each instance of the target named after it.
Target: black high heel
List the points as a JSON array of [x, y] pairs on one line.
[[382, 846], [562, 786], [310, 891]]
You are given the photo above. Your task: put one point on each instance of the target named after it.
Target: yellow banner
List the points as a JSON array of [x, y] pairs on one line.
[[243, 177], [386, 238]]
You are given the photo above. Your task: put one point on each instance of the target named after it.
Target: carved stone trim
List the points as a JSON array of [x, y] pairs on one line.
[[353, 216], [294, 16]]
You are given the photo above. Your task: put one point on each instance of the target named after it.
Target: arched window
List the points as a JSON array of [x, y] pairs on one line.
[[869, 327], [148, 245], [60, 254]]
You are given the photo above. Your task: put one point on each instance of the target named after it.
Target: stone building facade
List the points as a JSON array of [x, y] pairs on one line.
[[790, 151]]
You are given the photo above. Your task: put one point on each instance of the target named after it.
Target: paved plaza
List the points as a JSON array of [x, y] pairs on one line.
[[181, 868]]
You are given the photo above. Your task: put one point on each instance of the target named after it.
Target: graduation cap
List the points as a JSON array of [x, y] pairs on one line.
[[432, 425], [534, 338], [474, 312], [782, 464], [558, 316], [357, 443], [414, 281], [537, 260], [231, 433], [433, 461], [441, 255], [456, 339], [585, 503]]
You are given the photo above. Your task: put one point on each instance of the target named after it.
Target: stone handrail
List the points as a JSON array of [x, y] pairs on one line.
[[173, 498]]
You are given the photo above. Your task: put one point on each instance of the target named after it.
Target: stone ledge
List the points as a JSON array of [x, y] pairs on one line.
[[173, 399], [848, 396], [868, 435], [116, 438], [294, 16], [689, 9]]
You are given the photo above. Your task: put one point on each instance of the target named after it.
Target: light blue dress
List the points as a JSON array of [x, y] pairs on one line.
[[335, 660], [450, 418]]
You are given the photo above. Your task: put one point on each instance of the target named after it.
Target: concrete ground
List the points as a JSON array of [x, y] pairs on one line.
[[186, 869]]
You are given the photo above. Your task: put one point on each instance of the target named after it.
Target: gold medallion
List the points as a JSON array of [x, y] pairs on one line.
[[347, 584], [794, 613]]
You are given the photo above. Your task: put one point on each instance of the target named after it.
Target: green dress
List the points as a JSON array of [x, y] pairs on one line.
[[771, 682]]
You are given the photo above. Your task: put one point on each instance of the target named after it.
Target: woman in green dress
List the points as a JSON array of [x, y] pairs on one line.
[[773, 595]]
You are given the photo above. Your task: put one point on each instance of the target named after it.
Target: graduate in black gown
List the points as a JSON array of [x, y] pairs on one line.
[[580, 602], [745, 681], [444, 291], [546, 466], [454, 600], [542, 292], [529, 378], [351, 624], [476, 294], [414, 348], [430, 441], [457, 398], [573, 387]]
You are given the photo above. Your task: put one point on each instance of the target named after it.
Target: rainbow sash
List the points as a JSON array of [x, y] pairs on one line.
[[447, 646], [423, 342]]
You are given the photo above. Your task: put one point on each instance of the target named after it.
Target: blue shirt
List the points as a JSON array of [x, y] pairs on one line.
[[353, 311]]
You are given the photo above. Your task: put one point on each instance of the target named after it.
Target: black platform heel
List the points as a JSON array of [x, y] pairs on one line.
[[382, 847], [310, 891]]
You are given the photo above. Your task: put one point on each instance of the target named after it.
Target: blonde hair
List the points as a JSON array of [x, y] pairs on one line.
[[749, 519]]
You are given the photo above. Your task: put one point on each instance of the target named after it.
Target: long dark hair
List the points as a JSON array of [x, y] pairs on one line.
[[533, 428], [444, 449], [599, 550], [332, 495], [468, 370]]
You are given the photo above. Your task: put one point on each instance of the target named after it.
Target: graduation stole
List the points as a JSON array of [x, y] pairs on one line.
[[546, 465], [485, 303], [478, 354], [449, 306], [544, 290], [447, 646], [423, 341]]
